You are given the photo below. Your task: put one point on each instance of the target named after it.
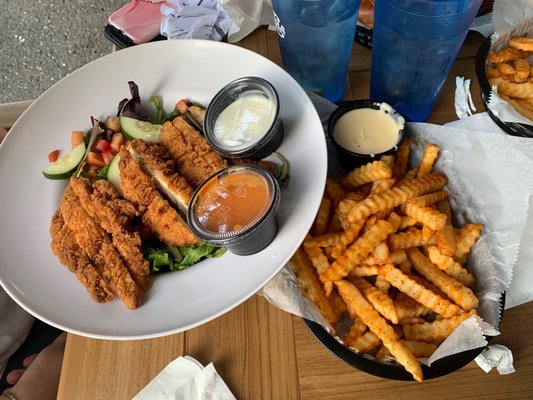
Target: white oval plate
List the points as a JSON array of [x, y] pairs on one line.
[[178, 301]]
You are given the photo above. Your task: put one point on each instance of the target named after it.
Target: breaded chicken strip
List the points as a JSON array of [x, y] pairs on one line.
[[94, 241], [103, 203], [159, 216], [196, 160], [158, 163], [74, 258]]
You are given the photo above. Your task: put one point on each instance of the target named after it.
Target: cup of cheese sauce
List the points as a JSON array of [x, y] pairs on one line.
[[363, 130], [242, 119], [236, 208]]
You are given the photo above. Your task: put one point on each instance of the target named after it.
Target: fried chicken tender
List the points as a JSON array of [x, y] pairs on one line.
[[159, 216], [94, 241], [102, 202], [158, 163], [196, 160], [74, 258]]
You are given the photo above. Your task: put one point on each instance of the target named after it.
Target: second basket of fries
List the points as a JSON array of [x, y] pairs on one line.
[[505, 71], [386, 263]]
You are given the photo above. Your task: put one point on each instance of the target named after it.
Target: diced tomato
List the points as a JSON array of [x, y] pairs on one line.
[[77, 138], [95, 159], [116, 142], [107, 156], [182, 106], [103, 145], [53, 156]]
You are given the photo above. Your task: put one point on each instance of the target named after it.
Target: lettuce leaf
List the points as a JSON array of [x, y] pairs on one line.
[[168, 258]]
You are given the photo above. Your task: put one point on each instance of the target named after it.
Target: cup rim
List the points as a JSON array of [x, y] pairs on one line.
[[454, 15]]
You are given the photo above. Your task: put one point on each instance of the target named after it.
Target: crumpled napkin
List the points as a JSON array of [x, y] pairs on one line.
[[496, 356], [186, 379], [464, 105], [194, 19]]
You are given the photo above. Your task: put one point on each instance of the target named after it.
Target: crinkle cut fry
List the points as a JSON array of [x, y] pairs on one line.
[[418, 292], [394, 197], [305, 272], [74, 258], [367, 173], [356, 253], [436, 331], [358, 306], [455, 290], [95, 242]]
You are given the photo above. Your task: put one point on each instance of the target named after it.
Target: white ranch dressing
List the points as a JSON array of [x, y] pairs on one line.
[[245, 120], [368, 131]]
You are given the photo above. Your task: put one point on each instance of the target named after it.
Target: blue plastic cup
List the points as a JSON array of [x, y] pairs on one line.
[[414, 46], [316, 38]]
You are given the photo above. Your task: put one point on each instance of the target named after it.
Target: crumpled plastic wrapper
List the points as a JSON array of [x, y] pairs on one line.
[[194, 19], [510, 18], [483, 189]]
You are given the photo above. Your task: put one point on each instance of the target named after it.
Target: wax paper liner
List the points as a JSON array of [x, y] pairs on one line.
[[512, 19], [489, 180]]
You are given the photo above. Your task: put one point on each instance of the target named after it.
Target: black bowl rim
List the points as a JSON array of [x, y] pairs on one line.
[[369, 365], [348, 105], [512, 128]]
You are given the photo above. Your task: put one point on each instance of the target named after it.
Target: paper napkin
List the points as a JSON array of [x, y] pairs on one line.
[[186, 379]]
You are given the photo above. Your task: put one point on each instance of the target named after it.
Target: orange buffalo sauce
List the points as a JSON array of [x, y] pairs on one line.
[[230, 202]]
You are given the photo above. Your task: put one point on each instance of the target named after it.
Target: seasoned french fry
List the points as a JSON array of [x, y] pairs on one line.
[[322, 217], [410, 238], [465, 239], [379, 300], [454, 289], [521, 43], [522, 70], [305, 272], [427, 216], [364, 270], [450, 266], [436, 331], [406, 222], [394, 197], [506, 68], [431, 153], [402, 159], [418, 292], [356, 253], [381, 185], [381, 253], [325, 240], [364, 343], [420, 349], [412, 320], [406, 307], [430, 198], [334, 190], [382, 284], [512, 89], [367, 173], [318, 259], [492, 72], [358, 306], [507, 54], [348, 237], [389, 160]]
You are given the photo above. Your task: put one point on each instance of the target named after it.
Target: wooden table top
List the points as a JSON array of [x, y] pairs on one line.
[[262, 352]]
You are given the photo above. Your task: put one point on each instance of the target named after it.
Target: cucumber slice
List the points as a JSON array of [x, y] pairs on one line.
[[67, 164], [113, 173], [140, 129]]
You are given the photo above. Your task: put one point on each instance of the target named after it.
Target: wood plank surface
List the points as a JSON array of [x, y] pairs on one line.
[[262, 352]]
